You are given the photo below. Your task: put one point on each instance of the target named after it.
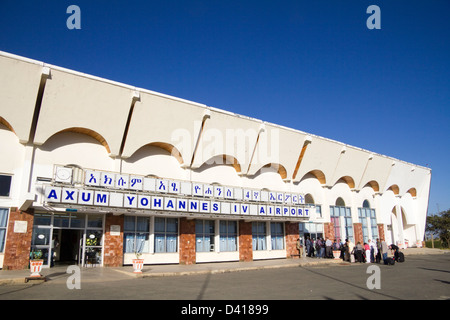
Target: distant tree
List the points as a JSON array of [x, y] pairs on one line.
[[440, 224]]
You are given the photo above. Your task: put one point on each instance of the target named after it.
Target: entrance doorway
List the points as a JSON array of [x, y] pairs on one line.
[[74, 238], [70, 246]]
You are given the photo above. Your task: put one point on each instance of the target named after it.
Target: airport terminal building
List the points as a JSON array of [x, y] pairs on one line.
[[93, 171]]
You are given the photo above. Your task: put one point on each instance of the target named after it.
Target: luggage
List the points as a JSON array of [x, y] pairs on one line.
[[389, 261], [401, 257]]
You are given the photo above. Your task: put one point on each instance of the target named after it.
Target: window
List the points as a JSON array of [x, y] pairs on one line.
[[5, 185], [366, 213], [136, 231], [228, 236], [3, 225], [204, 235], [277, 235], [166, 234], [344, 229], [259, 235]]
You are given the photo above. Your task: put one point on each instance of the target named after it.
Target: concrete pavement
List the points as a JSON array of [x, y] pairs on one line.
[[102, 274]]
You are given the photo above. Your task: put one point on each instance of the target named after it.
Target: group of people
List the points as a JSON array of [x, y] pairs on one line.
[[370, 252]]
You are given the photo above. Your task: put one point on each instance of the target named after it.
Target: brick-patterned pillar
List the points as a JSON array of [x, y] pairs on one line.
[[381, 234], [328, 230], [18, 245], [292, 234], [113, 244], [187, 241], [357, 230], [245, 241]]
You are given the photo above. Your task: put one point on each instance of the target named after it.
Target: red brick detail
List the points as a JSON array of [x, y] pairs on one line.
[[18, 245], [357, 229], [292, 234], [113, 245], [187, 241], [381, 234], [328, 229], [245, 241]]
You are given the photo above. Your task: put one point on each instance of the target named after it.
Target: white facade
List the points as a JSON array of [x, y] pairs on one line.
[[50, 116]]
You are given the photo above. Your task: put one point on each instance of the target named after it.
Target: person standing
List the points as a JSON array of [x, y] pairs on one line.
[[328, 251], [299, 248], [384, 250], [367, 252]]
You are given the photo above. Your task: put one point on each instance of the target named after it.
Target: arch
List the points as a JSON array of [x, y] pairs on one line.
[[413, 192], [340, 202], [169, 148], [395, 189], [6, 124], [309, 199], [172, 150], [279, 168], [88, 132], [348, 180], [319, 176], [374, 185], [366, 204], [223, 159]]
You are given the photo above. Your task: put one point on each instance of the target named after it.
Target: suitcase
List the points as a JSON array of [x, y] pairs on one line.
[[389, 261], [401, 257]]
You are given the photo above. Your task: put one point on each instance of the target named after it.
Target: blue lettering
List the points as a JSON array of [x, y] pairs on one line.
[[69, 195], [101, 198], [174, 187], [181, 204], [161, 186], [170, 204], [157, 202], [277, 210], [285, 211], [83, 194], [131, 199], [244, 208], [261, 210], [193, 206], [144, 202], [271, 197], [215, 207], [293, 211], [52, 194], [92, 179]]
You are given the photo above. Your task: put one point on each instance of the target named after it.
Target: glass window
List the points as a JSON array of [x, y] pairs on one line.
[[166, 234], [95, 221], [277, 235], [335, 213], [204, 235], [3, 225], [259, 235], [5, 185], [136, 234], [228, 236]]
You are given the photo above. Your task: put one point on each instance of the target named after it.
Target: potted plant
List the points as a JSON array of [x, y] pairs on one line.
[[138, 263], [36, 263], [336, 254]]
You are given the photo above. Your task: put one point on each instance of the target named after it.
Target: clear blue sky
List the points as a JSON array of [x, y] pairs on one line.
[[309, 65]]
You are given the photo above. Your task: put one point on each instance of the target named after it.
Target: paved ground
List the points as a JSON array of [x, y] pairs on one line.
[[423, 275]]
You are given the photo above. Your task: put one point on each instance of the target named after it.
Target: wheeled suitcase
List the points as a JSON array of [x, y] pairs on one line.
[[401, 257]]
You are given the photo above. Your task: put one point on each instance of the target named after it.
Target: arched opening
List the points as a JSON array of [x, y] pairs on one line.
[[88, 132], [366, 204], [348, 180], [374, 185], [271, 167], [319, 176], [395, 189], [413, 192], [309, 199], [340, 202], [223, 159]]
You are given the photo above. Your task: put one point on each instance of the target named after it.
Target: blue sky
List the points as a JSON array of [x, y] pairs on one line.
[[309, 65]]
